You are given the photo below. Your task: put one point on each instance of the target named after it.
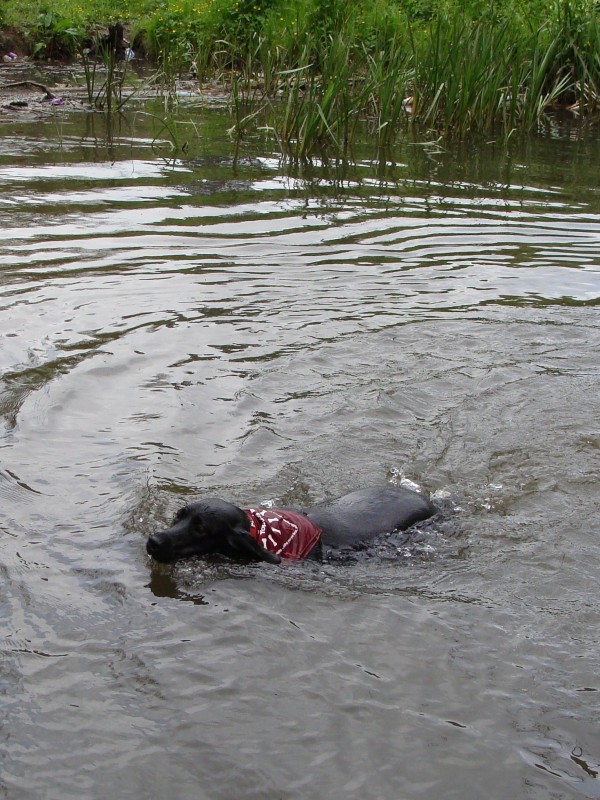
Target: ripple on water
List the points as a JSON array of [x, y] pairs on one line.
[[178, 328]]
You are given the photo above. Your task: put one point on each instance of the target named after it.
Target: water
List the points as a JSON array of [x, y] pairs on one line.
[[180, 326]]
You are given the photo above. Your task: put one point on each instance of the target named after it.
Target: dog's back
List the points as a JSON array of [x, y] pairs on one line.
[[361, 515]]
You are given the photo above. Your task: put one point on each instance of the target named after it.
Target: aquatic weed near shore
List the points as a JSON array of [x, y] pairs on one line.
[[314, 73]]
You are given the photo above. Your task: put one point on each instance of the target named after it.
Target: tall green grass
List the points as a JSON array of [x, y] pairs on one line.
[[316, 73], [331, 70]]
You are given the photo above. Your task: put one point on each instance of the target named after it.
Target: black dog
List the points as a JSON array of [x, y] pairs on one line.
[[215, 526]]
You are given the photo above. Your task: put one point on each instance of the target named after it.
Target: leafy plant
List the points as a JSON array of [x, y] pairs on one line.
[[54, 36], [314, 72]]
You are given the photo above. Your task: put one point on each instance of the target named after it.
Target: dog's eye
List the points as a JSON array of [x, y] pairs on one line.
[[180, 514]]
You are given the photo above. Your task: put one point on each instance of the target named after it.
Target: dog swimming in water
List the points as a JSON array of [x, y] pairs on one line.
[[215, 526]]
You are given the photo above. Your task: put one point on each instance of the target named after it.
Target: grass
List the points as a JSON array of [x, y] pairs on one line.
[[315, 73]]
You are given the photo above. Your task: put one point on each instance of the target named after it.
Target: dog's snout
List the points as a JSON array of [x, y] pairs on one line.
[[156, 548]]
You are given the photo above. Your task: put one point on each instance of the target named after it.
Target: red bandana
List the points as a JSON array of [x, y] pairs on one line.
[[285, 533]]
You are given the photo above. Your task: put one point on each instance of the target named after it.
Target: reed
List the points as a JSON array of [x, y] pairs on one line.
[[105, 75], [318, 109], [315, 73], [389, 80], [454, 75]]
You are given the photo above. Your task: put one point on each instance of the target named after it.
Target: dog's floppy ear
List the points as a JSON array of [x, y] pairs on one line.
[[241, 542]]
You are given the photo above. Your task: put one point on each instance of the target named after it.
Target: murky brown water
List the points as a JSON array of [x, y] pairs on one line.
[[180, 327]]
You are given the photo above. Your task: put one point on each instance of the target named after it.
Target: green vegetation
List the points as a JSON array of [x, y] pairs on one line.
[[314, 72]]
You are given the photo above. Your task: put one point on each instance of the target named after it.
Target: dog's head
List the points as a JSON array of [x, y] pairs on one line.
[[208, 526]]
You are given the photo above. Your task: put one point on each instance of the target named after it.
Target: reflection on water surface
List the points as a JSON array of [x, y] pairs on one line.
[[174, 327]]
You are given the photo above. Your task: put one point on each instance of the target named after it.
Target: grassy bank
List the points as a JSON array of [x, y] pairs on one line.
[[313, 72]]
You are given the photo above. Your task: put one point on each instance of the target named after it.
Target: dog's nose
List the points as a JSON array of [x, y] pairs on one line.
[[157, 549]]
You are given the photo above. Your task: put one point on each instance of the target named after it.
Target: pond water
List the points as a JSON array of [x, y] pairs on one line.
[[206, 324]]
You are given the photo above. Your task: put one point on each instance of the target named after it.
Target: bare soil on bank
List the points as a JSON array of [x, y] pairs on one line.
[[31, 90]]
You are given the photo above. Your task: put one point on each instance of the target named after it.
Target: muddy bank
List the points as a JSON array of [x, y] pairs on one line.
[[29, 90], [12, 40]]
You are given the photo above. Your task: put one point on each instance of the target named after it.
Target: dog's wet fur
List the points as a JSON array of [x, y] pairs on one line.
[[214, 526]]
